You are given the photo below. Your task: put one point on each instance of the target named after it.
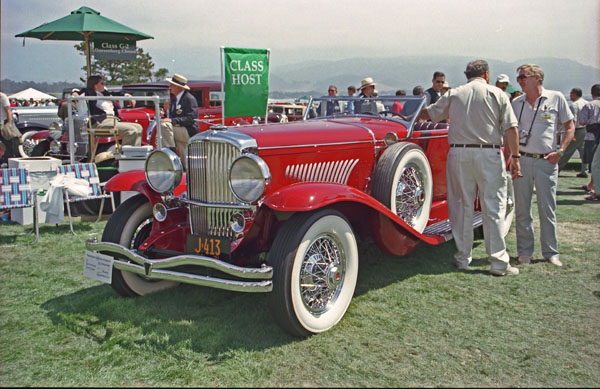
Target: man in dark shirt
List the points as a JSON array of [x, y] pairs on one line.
[[182, 112]]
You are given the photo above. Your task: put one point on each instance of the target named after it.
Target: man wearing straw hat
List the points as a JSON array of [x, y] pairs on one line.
[[367, 90], [182, 113]]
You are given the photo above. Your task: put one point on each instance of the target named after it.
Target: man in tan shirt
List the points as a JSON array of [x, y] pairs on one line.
[[480, 117]]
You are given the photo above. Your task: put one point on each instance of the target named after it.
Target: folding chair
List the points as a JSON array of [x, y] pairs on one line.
[[95, 133], [88, 172], [15, 192]]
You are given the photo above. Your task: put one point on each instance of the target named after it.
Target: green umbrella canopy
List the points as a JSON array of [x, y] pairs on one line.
[[81, 25]]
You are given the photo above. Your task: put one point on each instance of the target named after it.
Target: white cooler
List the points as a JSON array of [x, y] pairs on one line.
[[41, 171], [132, 158]]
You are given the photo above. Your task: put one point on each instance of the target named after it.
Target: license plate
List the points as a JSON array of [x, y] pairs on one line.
[[98, 266], [208, 246]]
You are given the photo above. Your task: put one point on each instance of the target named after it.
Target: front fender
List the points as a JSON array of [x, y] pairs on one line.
[[27, 125], [311, 196], [135, 180]]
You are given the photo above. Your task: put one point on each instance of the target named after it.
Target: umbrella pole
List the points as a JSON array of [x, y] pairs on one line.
[[87, 53]]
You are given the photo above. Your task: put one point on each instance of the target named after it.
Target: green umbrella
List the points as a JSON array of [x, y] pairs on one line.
[[80, 25]]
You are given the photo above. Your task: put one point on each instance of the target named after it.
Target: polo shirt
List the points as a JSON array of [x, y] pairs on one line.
[[479, 113], [544, 118]]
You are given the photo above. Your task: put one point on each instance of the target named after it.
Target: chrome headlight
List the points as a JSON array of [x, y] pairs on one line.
[[55, 130], [249, 175], [163, 170]]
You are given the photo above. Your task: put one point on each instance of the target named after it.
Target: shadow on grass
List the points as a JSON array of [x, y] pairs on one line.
[[11, 231], [213, 321]]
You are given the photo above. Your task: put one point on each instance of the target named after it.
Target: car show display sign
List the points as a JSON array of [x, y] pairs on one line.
[[113, 49], [245, 79]]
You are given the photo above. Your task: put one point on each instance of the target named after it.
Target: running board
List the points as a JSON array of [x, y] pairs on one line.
[[444, 230]]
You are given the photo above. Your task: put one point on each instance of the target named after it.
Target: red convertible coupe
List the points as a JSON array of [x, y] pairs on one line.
[[276, 208]]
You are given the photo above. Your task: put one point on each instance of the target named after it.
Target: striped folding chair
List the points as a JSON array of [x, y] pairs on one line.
[[88, 172], [15, 192]]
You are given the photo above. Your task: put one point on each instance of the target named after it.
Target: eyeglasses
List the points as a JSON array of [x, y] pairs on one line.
[[332, 90], [439, 81], [523, 77]]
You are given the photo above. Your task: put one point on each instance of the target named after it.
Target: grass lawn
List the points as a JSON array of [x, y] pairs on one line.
[[414, 321]]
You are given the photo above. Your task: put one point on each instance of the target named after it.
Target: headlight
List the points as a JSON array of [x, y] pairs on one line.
[[163, 170], [55, 130], [249, 175]]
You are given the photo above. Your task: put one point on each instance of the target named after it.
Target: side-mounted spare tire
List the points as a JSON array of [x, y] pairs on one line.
[[403, 182]]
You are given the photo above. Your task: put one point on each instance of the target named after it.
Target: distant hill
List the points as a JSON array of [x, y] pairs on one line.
[[10, 87], [311, 78]]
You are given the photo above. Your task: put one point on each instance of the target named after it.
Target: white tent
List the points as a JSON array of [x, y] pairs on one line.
[[31, 93]]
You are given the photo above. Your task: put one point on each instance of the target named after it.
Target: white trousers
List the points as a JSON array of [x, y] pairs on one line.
[[175, 136], [131, 133], [469, 171], [540, 174]]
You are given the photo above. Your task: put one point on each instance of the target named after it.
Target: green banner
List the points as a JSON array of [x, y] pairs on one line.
[[246, 81]]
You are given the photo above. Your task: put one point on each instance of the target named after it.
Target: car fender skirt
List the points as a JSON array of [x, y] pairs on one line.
[[311, 196]]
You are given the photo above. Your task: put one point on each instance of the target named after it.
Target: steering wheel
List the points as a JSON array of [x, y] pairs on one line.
[[394, 113]]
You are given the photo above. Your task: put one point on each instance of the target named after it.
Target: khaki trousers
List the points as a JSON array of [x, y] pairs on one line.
[[469, 171], [131, 133], [175, 136]]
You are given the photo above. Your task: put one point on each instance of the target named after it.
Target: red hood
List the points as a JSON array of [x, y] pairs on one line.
[[312, 132]]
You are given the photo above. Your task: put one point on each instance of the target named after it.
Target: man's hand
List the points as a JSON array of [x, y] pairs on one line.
[[515, 168], [553, 157]]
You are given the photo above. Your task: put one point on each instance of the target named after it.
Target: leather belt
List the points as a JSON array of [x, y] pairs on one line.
[[536, 156], [478, 146]]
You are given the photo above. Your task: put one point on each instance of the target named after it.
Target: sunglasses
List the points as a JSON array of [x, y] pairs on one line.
[[523, 77], [332, 90]]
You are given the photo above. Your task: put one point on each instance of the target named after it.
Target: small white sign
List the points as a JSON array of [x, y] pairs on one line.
[[98, 266]]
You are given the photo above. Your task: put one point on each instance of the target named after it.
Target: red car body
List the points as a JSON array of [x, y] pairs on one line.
[[321, 182]]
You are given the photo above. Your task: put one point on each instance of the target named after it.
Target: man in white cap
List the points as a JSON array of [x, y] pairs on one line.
[[367, 90], [182, 113], [502, 81]]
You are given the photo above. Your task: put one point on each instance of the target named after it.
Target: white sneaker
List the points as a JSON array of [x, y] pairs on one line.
[[524, 259], [509, 271], [555, 262]]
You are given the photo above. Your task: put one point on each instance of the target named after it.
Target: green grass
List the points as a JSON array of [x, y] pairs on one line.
[[414, 321]]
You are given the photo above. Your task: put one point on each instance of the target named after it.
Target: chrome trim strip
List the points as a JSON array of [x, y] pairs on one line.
[[316, 145], [216, 205], [264, 272], [194, 279]]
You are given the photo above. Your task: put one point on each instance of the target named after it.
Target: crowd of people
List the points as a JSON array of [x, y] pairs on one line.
[[535, 127], [32, 102]]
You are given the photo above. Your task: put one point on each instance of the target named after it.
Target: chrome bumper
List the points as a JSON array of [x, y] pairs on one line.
[[155, 268]]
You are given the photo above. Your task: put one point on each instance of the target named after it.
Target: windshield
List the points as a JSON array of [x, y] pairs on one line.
[[401, 108]]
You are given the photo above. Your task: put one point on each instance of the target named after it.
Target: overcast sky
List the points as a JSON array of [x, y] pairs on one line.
[[188, 33]]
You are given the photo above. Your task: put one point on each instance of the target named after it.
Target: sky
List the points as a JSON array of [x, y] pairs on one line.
[[188, 33]]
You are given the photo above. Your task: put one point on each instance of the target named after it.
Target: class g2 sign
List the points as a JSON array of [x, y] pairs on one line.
[[246, 81], [114, 49]]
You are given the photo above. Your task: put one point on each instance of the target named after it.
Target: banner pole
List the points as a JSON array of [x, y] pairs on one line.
[[268, 83], [223, 85]]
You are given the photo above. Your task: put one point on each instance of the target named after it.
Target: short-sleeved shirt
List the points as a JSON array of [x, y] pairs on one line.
[[544, 118], [479, 113], [576, 107], [590, 113], [3, 103]]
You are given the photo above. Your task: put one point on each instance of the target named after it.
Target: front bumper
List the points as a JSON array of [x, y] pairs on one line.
[[157, 269]]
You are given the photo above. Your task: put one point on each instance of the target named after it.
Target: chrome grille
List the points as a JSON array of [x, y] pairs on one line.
[[207, 180]]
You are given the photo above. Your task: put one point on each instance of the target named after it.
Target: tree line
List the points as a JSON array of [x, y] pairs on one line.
[[114, 73]]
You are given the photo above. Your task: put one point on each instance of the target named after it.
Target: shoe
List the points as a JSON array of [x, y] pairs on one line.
[[586, 188], [582, 175], [461, 266], [555, 262], [592, 197], [524, 259], [509, 271]]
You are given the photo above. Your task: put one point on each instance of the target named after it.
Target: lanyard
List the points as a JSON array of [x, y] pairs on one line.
[[532, 120]]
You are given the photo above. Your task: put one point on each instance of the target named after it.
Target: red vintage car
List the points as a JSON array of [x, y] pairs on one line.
[[276, 208]]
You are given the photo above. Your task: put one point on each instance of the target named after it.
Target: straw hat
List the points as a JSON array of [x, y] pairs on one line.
[[179, 81], [366, 82]]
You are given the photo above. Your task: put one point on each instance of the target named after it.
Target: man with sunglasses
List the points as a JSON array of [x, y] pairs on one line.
[[540, 113], [331, 106]]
